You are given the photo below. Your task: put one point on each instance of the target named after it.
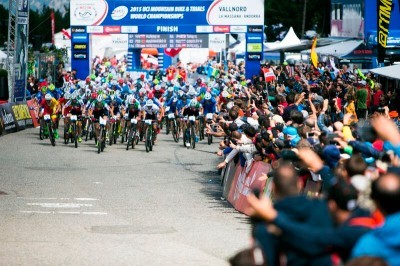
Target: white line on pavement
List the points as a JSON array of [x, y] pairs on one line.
[[59, 205]]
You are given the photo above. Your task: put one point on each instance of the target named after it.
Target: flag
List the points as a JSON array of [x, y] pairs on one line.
[[66, 33], [313, 55], [383, 11]]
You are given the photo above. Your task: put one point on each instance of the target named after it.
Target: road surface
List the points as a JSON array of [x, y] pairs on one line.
[[66, 206]]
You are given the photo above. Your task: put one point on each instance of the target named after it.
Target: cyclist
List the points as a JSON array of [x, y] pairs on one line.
[[99, 108], [194, 109], [149, 112], [132, 109], [50, 106], [75, 107], [209, 104]]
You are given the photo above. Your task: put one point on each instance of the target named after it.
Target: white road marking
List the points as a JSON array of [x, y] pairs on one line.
[[59, 205], [64, 212], [85, 199]]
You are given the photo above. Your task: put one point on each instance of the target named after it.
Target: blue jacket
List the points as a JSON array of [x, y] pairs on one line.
[[382, 242]]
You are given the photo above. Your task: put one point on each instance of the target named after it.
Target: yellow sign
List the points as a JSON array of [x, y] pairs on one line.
[[21, 112], [80, 46], [254, 47]]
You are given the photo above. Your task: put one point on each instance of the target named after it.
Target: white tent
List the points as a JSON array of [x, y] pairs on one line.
[[389, 71], [291, 40], [337, 49], [3, 55]]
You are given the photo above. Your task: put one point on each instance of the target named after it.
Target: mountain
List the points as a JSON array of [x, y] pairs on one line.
[[39, 4]]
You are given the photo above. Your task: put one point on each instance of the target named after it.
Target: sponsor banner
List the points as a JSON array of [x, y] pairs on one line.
[[224, 29], [79, 37], [32, 107], [129, 29], [254, 47], [254, 56], [112, 29], [255, 38], [255, 29], [244, 183], [7, 118], [23, 12], [78, 29], [19, 89], [80, 46], [94, 29], [229, 174], [80, 56], [217, 41], [238, 29], [384, 11], [171, 13], [22, 116], [204, 29]]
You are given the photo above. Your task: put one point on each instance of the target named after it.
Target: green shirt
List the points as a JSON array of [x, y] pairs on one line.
[[362, 95]]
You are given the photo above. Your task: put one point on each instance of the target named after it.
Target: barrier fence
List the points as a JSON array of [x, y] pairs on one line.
[[15, 117]]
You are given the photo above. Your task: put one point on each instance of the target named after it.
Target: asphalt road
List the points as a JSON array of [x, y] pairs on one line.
[[66, 206]]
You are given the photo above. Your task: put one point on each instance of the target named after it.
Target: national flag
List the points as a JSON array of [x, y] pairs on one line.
[[66, 33], [313, 55]]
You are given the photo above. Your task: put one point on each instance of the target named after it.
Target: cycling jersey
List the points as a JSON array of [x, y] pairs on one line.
[[74, 107], [209, 106], [51, 108]]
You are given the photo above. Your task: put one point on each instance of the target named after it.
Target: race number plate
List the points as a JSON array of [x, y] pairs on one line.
[[74, 118], [103, 121], [134, 121], [46, 117], [209, 116], [148, 121], [171, 116], [192, 118]]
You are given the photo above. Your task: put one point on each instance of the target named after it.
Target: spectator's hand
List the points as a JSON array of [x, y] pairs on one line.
[[261, 207], [325, 106], [342, 143], [233, 146], [221, 165], [310, 159], [386, 129]]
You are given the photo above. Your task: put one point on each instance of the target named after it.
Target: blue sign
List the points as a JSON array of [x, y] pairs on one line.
[[166, 13]]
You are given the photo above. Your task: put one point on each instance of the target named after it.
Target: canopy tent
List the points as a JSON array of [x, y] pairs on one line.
[[337, 49], [290, 43], [389, 71], [3, 55]]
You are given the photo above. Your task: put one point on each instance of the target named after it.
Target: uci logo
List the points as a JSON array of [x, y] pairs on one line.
[[119, 13], [86, 13]]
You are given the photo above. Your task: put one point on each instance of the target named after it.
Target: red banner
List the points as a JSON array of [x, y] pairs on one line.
[[243, 184], [32, 106]]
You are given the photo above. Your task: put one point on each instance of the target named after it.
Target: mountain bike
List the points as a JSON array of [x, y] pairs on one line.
[[101, 138], [46, 125], [125, 128], [149, 134], [190, 133], [133, 135], [172, 125]]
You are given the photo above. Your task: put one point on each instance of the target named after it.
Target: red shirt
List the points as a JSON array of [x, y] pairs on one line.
[[376, 97]]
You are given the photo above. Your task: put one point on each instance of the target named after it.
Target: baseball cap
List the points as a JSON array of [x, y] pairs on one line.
[[344, 194]]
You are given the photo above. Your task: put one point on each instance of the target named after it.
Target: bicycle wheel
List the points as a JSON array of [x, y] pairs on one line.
[[91, 131], [129, 139], [201, 129], [99, 140], [66, 135], [148, 138], [134, 137], [75, 134], [124, 134], [103, 142], [209, 139], [115, 132], [175, 131], [51, 135], [167, 126], [111, 134], [192, 137], [185, 137]]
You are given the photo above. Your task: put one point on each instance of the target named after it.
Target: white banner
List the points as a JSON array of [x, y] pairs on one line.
[[217, 41]]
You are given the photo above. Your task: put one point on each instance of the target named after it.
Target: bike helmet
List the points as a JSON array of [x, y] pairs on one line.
[[170, 89], [94, 95], [193, 103], [150, 95], [48, 97], [98, 80], [67, 95], [132, 99], [44, 89], [192, 91], [149, 103], [99, 98], [157, 87], [207, 96], [121, 81]]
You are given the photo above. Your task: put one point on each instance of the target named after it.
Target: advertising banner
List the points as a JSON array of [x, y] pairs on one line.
[[244, 184], [31, 107], [22, 116], [166, 13], [384, 9], [7, 118]]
